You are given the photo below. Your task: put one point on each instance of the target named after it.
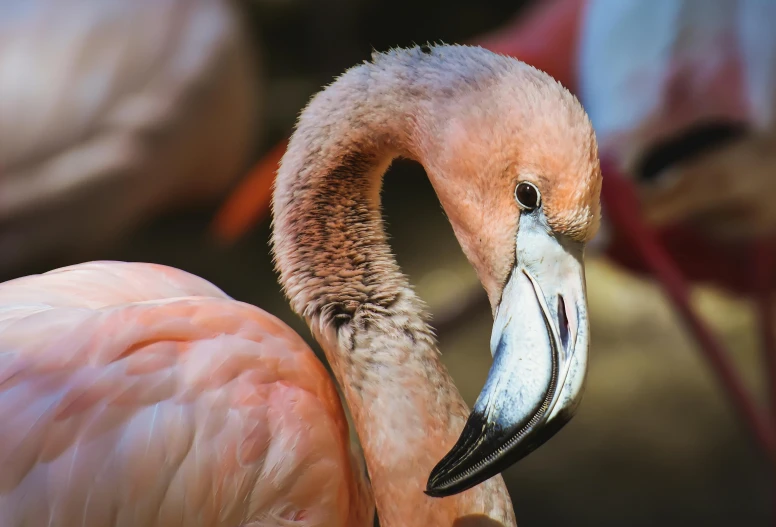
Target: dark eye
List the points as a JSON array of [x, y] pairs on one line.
[[527, 196]]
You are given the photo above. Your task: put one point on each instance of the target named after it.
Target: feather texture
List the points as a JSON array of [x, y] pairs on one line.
[[136, 394]]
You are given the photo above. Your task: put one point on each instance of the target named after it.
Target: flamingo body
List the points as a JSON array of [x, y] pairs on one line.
[[164, 403]]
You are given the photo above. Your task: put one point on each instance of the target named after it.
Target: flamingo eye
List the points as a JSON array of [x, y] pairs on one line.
[[527, 196]]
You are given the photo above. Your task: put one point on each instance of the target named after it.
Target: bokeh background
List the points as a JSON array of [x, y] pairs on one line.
[[655, 441]]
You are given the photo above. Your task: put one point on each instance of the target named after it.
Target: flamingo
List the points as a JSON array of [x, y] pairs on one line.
[[138, 394], [118, 110]]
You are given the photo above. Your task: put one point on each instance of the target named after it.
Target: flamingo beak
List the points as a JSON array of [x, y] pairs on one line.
[[539, 345]]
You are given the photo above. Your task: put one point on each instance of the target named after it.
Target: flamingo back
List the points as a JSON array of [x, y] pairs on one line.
[[137, 394]]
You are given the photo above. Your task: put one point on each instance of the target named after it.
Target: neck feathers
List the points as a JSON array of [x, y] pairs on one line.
[[337, 269], [329, 243]]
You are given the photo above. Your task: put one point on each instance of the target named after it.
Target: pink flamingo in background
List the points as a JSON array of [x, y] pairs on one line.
[[136, 394], [116, 110]]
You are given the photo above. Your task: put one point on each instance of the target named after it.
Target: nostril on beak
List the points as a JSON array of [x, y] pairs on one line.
[[563, 324]]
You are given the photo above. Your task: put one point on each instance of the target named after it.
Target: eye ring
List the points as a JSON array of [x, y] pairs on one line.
[[528, 196]]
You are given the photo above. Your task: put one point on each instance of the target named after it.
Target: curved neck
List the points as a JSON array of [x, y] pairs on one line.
[[339, 273]]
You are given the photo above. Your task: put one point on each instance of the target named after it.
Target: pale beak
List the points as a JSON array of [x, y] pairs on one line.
[[539, 345]]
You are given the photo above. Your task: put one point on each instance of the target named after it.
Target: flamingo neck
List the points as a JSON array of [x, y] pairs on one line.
[[340, 275]]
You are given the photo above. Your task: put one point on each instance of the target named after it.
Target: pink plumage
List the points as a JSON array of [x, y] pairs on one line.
[[137, 394]]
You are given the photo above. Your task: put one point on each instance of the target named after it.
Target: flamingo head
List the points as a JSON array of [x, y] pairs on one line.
[[515, 166]]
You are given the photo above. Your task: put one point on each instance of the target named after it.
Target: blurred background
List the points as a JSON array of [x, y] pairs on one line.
[[125, 125]]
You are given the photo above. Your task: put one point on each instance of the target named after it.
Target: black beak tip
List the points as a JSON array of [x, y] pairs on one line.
[[479, 442], [443, 482], [438, 487], [445, 478], [434, 493], [433, 488]]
